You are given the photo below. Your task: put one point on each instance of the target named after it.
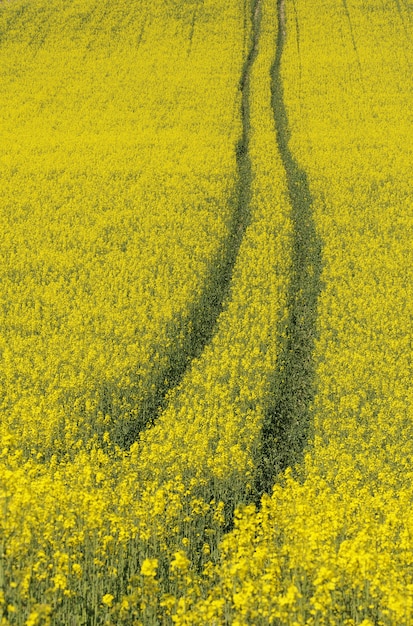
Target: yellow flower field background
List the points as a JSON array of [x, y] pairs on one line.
[[206, 288]]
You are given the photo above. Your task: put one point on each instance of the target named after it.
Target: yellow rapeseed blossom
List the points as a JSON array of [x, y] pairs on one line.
[[148, 252], [149, 567], [180, 562], [340, 532], [116, 183], [107, 599]]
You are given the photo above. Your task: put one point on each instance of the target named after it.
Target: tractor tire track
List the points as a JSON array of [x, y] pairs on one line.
[[192, 29], [406, 27], [205, 312], [286, 426], [353, 39], [145, 25]]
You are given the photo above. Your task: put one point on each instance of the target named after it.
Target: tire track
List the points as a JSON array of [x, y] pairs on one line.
[[405, 26], [145, 25], [353, 39], [205, 312], [300, 65], [192, 29], [286, 425]]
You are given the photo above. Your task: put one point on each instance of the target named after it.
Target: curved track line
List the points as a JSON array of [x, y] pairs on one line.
[[206, 311], [400, 12], [353, 39], [192, 29], [287, 424]]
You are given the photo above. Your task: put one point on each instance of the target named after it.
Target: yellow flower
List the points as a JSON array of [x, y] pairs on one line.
[[149, 567], [107, 599], [180, 562]]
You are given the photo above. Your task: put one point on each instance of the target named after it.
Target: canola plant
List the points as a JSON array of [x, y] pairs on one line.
[[206, 312]]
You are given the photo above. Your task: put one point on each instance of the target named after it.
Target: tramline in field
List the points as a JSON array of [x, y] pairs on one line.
[[206, 290]]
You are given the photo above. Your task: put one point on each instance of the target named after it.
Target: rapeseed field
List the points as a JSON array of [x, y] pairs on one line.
[[206, 312]]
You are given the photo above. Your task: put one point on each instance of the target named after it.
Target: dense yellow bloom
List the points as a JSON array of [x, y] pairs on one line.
[[149, 567], [116, 180], [147, 256], [340, 535], [107, 599]]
